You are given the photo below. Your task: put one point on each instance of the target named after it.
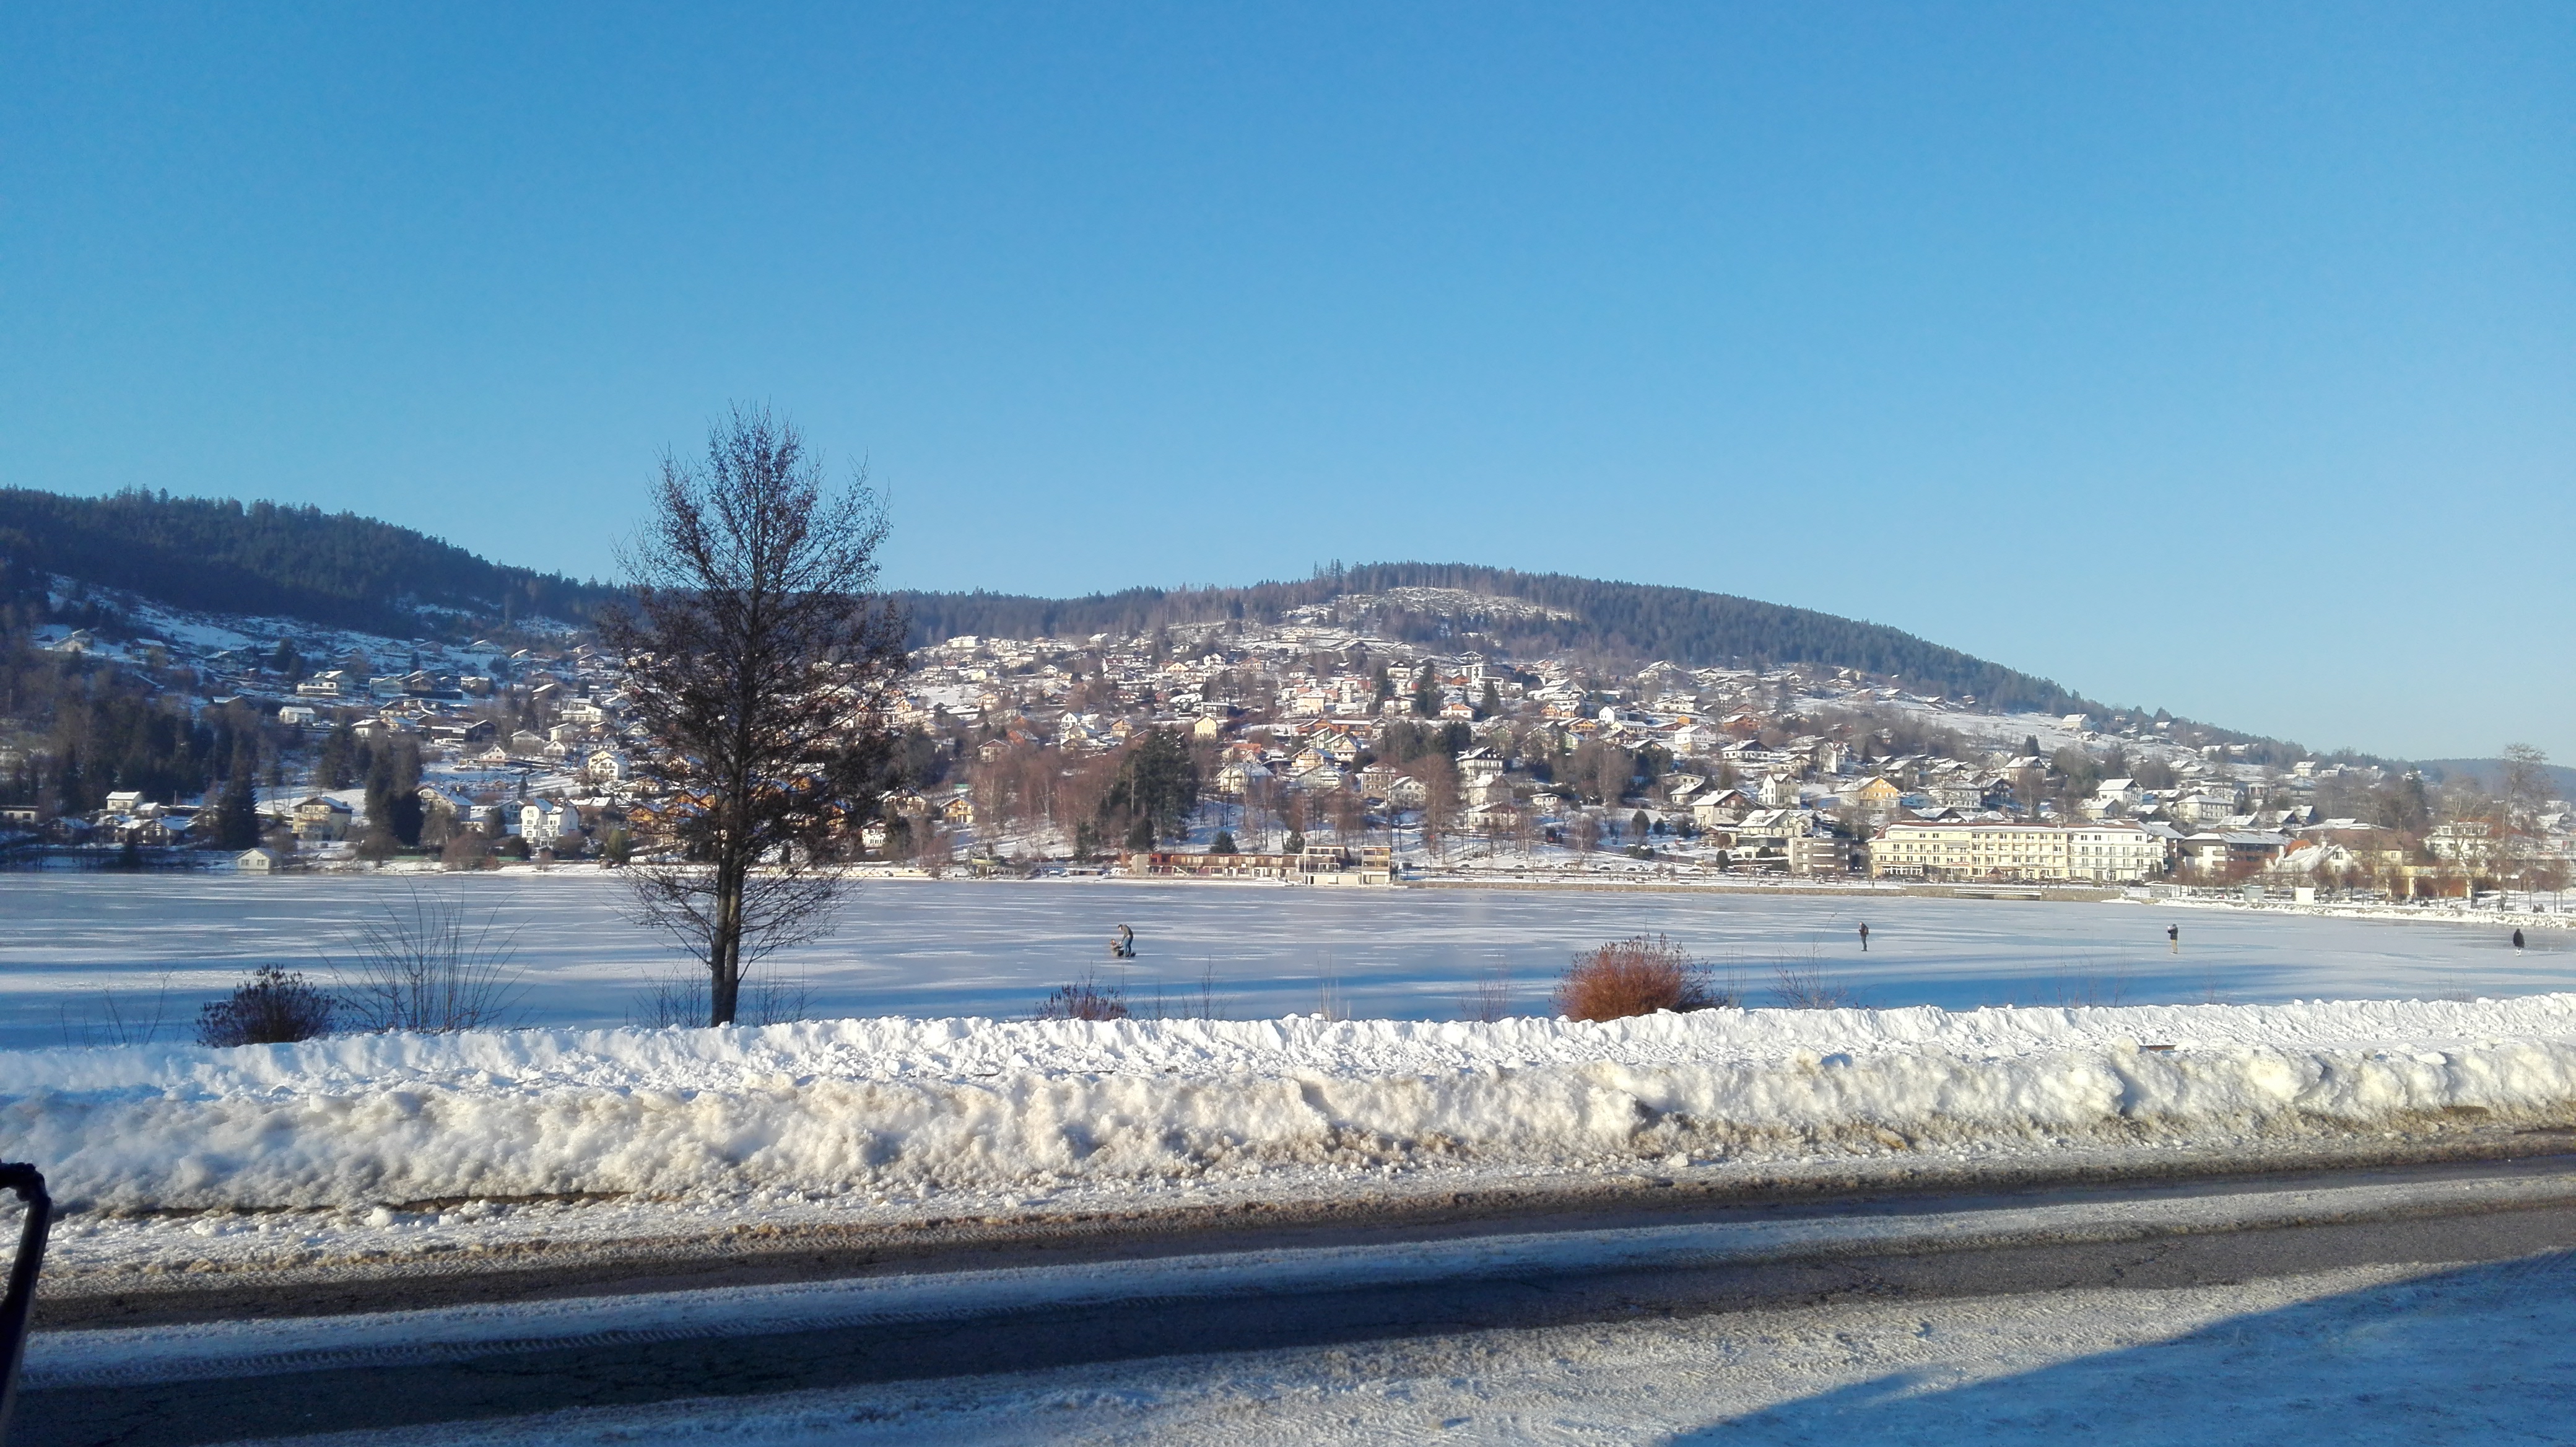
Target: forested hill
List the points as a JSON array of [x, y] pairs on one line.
[[340, 569], [1552, 611], [220, 556]]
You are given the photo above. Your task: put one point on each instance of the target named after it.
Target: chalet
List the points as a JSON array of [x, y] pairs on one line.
[[319, 818], [2231, 852], [1875, 800], [1238, 777], [1721, 809]]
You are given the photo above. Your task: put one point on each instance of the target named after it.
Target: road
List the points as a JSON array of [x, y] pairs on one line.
[[181, 1383]]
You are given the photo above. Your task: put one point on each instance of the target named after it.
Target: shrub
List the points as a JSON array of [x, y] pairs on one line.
[[1084, 999], [422, 965], [272, 1007], [1808, 987], [468, 850], [1635, 976]]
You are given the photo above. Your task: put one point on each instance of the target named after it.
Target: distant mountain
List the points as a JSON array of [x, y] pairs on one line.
[[216, 555], [1457, 604]]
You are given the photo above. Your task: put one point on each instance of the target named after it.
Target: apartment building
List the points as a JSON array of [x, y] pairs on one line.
[[2087, 853]]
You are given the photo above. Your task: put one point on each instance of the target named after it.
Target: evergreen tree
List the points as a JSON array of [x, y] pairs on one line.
[[336, 765], [237, 813]]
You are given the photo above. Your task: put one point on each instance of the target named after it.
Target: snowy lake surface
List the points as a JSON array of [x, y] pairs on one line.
[[78, 951]]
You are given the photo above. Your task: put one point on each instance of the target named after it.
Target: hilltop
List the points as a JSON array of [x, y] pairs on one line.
[[1460, 605], [221, 556]]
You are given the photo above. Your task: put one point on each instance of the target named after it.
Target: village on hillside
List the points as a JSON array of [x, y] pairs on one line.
[[1308, 750]]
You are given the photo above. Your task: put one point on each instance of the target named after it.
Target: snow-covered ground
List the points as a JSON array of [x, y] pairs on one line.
[[2372, 1355], [845, 1117], [80, 951]]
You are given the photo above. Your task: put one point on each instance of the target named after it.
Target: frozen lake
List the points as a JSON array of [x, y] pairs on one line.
[[72, 945]]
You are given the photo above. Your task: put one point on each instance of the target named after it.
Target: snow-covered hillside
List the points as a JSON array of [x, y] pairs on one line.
[[869, 1107]]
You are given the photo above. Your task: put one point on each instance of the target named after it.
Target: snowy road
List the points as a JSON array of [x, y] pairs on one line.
[[2422, 1305]]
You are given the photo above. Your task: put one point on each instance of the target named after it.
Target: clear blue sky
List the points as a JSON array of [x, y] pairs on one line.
[[2216, 358]]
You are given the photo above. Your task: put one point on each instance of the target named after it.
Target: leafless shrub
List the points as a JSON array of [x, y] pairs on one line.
[[2091, 982], [467, 849], [680, 1000], [674, 1001], [1492, 999], [273, 1007], [120, 1018], [423, 966], [1635, 976], [1807, 987], [1084, 999]]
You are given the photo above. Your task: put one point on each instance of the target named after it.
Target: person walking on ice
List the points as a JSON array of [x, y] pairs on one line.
[[2173, 938], [1864, 938]]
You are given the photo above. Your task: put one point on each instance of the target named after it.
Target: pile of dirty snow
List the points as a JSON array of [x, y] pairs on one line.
[[880, 1105]]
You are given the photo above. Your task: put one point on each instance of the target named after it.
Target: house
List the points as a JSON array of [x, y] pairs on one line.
[[1336, 746], [1874, 800], [435, 800], [1722, 809], [1407, 792], [2113, 796], [2461, 841], [604, 768], [1238, 777], [960, 809], [318, 818], [548, 823], [2232, 852], [297, 715], [256, 861]]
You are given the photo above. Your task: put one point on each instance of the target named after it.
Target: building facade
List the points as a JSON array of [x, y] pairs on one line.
[[2029, 853]]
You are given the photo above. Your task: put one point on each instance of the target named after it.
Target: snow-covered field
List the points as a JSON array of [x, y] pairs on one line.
[[78, 950], [864, 1112]]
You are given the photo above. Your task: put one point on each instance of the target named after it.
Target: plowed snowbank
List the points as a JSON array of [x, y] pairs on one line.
[[874, 1105]]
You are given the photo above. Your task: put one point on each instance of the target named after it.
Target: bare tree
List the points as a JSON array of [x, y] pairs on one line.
[[759, 658]]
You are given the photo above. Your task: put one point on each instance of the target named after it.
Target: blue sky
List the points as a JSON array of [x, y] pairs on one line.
[[2216, 358]]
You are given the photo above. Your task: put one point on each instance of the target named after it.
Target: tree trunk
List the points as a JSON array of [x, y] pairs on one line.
[[724, 953]]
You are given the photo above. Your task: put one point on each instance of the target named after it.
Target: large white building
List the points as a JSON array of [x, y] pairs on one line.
[[2089, 853]]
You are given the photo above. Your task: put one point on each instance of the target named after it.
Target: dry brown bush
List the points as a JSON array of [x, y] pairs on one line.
[[1085, 999], [1635, 976]]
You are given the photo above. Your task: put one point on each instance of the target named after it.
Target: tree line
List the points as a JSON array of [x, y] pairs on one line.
[[225, 556]]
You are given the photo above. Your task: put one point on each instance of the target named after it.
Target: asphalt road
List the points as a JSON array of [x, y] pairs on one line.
[[1525, 1291]]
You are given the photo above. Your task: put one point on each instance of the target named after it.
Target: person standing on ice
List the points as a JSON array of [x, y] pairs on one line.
[[1864, 938], [2517, 939], [2173, 938]]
